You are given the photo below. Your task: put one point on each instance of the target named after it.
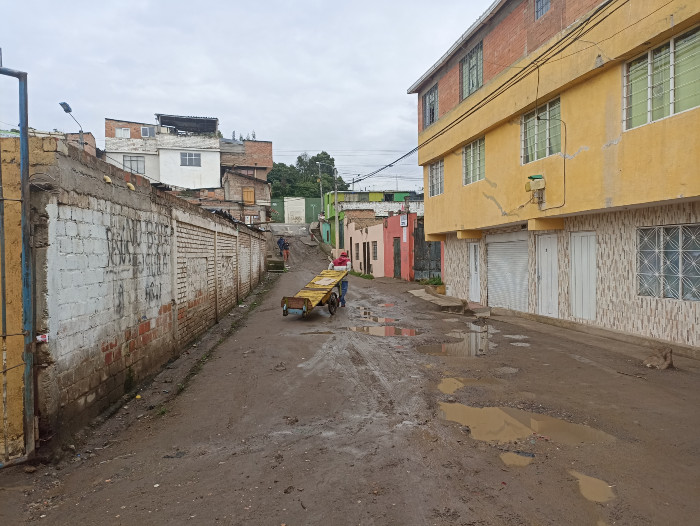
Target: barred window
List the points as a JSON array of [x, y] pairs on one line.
[[541, 7], [668, 262], [136, 164], [357, 251], [436, 177], [430, 106], [541, 132], [374, 250], [473, 161], [190, 159], [663, 81], [472, 71]]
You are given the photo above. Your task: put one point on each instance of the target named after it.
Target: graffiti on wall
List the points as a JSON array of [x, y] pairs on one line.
[[142, 244]]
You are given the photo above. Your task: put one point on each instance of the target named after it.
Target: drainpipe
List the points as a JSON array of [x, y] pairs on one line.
[[27, 275]]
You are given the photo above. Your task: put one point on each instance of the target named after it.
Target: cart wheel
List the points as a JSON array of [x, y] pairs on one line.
[[333, 303]]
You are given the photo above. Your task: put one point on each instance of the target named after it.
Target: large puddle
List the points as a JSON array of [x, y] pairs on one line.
[[472, 343], [505, 424], [593, 489], [385, 330]]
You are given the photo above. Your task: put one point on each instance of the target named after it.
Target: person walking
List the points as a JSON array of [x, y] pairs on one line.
[[285, 250], [280, 242], [342, 262]]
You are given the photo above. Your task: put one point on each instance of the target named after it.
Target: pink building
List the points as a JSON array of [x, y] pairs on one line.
[[406, 253], [365, 239]]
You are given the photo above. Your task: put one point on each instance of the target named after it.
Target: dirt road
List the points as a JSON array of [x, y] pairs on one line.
[[389, 412]]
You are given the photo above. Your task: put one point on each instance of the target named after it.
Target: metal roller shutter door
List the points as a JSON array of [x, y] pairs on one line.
[[507, 275]]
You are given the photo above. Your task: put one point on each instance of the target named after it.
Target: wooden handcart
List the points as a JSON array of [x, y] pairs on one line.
[[318, 292]]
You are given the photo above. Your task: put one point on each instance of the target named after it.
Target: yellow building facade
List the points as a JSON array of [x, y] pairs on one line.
[[561, 152]]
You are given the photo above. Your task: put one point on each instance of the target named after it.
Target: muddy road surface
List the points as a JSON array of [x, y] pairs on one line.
[[388, 413]]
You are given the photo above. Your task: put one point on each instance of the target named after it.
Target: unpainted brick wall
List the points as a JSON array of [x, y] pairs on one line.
[[126, 279]]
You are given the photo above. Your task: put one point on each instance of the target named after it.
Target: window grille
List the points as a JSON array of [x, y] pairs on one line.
[[541, 132], [190, 159], [664, 81], [374, 250], [135, 164], [473, 161], [436, 177], [472, 71], [668, 262], [541, 7], [430, 106]]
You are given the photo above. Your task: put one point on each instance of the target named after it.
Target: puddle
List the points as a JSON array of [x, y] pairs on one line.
[[385, 330], [450, 385], [473, 343], [379, 320], [451, 320], [520, 344], [593, 489], [505, 370], [505, 424], [516, 336], [387, 304], [317, 332], [510, 458]]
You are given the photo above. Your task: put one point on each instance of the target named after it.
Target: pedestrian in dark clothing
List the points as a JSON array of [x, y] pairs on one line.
[[280, 242], [285, 250]]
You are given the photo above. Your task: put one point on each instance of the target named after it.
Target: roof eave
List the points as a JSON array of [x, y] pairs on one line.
[[465, 36]]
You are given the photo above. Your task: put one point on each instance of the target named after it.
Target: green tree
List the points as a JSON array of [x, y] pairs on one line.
[[301, 179]]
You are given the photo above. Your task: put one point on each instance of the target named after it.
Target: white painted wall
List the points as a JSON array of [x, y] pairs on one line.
[[206, 176], [294, 210], [382, 208]]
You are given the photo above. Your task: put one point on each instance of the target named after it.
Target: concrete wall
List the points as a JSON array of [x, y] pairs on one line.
[[125, 280], [359, 233], [294, 210], [208, 175], [382, 209]]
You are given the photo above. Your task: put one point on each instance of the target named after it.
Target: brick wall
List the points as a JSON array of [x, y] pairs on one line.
[[255, 154], [88, 141], [135, 127], [125, 279]]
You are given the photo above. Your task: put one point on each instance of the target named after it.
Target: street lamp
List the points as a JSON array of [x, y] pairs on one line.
[[66, 107]]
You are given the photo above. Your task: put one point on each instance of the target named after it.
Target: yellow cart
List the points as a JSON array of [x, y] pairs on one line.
[[318, 292]]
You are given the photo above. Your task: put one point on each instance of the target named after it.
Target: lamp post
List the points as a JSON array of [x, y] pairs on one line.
[[66, 107]]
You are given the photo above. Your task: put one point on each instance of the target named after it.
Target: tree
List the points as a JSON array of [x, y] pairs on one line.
[[301, 180]]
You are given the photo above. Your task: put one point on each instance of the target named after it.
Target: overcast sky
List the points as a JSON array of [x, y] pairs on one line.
[[306, 75]]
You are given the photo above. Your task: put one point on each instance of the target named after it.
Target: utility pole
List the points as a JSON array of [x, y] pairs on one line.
[[337, 227], [320, 182]]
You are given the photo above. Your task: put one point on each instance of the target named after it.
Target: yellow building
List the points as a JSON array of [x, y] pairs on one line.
[[561, 152]]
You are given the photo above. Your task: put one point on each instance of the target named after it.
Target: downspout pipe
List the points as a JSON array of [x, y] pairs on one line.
[[27, 271]]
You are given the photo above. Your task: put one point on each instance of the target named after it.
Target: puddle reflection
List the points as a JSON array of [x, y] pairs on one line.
[[505, 424], [385, 330], [510, 458], [450, 385], [593, 489], [474, 342]]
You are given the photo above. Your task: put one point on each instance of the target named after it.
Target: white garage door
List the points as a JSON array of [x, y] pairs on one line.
[[507, 274]]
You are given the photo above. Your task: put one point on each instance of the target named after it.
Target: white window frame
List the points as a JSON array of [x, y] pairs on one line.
[[428, 97], [668, 262], [474, 61], [190, 159], [547, 123], [473, 162], [138, 160], [650, 87], [541, 8], [150, 131], [436, 178], [122, 133]]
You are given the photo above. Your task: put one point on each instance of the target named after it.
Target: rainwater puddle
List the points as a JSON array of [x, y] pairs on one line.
[[473, 343], [515, 336], [505, 424], [593, 489], [387, 304], [516, 459], [385, 330], [520, 344], [450, 385], [317, 332]]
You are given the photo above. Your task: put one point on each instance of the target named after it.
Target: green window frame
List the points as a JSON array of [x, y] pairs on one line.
[[473, 161], [664, 81], [430, 106], [541, 132], [472, 71]]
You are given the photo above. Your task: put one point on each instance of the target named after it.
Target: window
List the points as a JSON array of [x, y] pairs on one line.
[[430, 106], [473, 160], [124, 133], [374, 250], [148, 131], [436, 177], [357, 251], [136, 164], [541, 132], [668, 262], [541, 7], [190, 159], [472, 71], [248, 195], [664, 81]]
